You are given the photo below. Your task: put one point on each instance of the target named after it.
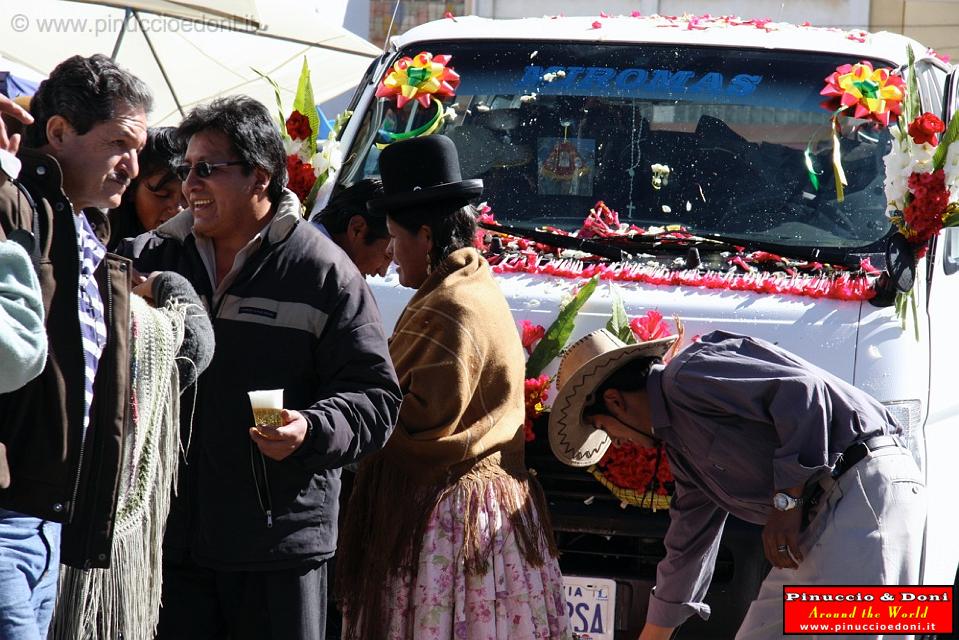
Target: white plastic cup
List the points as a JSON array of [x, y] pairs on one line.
[[267, 405]]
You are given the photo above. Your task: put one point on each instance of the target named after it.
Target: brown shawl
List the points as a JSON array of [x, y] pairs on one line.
[[460, 364]]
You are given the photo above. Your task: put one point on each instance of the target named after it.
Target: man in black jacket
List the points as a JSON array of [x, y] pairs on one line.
[[256, 518], [61, 435]]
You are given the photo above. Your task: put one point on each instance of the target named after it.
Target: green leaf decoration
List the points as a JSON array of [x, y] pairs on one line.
[[279, 101], [951, 219], [912, 103], [915, 314], [341, 119], [310, 198], [305, 104], [618, 323], [558, 333], [948, 137]]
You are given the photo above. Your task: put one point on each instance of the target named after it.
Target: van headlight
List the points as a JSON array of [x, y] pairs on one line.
[[908, 413]]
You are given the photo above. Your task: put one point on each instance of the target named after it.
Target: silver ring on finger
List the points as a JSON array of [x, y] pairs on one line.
[[782, 548]]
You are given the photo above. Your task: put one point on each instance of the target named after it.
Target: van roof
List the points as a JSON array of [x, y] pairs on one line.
[[719, 31]]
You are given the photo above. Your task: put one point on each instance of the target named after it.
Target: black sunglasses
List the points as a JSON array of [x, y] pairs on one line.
[[203, 169]]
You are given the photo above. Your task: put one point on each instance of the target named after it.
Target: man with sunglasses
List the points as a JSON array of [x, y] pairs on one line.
[[255, 520], [61, 435]]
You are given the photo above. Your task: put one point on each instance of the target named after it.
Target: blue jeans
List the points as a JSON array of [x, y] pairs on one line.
[[29, 567]]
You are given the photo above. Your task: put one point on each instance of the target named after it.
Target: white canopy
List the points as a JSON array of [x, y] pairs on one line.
[[243, 11], [206, 49]]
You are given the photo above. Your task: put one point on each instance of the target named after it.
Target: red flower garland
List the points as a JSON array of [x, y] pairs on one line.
[[604, 222], [837, 287], [630, 466]]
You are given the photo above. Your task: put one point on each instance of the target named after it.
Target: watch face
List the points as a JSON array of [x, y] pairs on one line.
[[781, 501]]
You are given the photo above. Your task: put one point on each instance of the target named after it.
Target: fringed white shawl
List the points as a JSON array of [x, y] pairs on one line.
[[123, 602]]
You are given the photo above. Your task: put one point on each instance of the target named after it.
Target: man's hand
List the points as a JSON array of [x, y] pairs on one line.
[[277, 444], [781, 538], [11, 108], [656, 632], [143, 285]]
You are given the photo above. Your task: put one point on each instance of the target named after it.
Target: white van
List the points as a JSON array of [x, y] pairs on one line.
[[556, 114]]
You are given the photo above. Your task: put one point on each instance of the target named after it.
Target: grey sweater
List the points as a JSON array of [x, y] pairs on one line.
[[23, 338], [196, 351]]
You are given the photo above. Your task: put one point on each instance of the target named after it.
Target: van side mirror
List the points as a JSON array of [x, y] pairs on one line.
[[950, 250], [900, 273]]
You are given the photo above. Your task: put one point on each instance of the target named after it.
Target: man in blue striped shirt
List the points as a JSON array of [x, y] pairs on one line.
[[61, 436], [93, 329]]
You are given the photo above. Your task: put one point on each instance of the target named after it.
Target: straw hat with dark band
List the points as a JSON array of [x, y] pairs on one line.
[[585, 366]]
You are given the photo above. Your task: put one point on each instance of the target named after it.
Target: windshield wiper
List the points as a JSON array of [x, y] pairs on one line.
[[617, 248], [560, 241], [830, 255]]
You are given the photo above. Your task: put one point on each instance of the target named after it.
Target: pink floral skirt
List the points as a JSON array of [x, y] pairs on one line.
[[511, 601]]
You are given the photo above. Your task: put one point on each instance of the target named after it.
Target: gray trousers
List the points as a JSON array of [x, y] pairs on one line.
[[868, 530]]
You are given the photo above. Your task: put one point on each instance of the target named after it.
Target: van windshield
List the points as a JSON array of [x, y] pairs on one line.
[[712, 139]]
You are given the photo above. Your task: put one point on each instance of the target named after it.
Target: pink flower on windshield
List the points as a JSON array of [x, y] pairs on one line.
[[649, 327], [531, 334], [868, 267], [485, 214]]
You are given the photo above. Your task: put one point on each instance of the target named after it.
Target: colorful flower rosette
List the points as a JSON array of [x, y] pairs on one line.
[[859, 91], [424, 79]]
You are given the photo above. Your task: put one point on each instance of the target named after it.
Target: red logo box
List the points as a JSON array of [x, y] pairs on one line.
[[867, 610]]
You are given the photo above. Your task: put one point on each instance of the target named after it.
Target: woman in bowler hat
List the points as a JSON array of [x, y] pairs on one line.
[[446, 534]]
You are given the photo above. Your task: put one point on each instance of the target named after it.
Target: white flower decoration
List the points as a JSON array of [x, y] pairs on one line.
[[903, 160], [293, 147], [951, 169], [328, 157]]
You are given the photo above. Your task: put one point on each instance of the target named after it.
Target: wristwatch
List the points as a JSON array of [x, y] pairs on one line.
[[784, 502]]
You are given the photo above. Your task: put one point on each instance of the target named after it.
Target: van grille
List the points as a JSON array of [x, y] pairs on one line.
[[595, 535]]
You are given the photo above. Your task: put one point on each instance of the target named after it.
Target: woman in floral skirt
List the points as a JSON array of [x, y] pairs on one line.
[[447, 535]]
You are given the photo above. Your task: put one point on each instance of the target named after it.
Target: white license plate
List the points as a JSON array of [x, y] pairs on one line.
[[590, 605]]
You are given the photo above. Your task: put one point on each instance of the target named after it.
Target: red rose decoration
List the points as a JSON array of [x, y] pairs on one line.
[[300, 176], [298, 126], [926, 128]]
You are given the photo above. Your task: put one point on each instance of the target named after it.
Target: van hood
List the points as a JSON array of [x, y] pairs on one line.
[[822, 331]]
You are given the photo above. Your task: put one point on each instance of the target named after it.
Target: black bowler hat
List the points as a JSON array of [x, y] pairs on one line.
[[422, 171]]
